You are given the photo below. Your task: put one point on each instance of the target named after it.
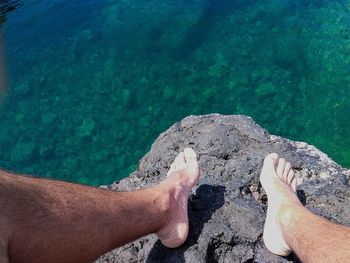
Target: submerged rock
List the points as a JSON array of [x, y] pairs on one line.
[[22, 151], [86, 128], [227, 208]]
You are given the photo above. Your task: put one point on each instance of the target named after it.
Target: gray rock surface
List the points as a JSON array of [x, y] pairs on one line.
[[227, 208]]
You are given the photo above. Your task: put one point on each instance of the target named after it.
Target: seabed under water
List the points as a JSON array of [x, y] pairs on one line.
[[91, 84]]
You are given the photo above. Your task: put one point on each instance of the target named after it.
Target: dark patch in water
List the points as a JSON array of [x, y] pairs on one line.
[[7, 6], [199, 32]]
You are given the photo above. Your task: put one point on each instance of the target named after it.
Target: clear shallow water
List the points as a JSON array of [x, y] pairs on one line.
[[91, 84]]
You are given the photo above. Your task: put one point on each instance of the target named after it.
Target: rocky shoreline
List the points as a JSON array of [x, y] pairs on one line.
[[227, 208]]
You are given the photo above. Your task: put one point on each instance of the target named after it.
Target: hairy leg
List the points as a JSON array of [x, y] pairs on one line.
[[3, 253], [314, 239], [52, 221], [290, 226]]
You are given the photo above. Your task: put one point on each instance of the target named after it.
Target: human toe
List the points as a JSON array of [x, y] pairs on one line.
[[190, 155], [178, 163], [290, 177], [286, 171], [192, 164], [271, 159], [280, 167], [294, 184]]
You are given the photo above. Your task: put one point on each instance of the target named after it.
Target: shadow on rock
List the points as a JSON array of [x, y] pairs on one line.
[[302, 196], [201, 207]]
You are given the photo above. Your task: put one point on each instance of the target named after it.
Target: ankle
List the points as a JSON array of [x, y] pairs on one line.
[[163, 205], [288, 216]]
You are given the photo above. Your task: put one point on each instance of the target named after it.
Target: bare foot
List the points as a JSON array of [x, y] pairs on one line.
[[184, 173], [279, 182]]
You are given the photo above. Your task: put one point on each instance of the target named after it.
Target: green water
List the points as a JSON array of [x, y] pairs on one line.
[[91, 84]]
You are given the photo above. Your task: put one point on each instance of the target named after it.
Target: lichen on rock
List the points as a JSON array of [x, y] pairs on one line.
[[227, 208]]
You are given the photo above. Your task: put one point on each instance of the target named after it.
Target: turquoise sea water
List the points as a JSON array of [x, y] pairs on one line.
[[92, 83]]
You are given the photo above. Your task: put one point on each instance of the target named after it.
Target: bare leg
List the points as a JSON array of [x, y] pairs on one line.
[[3, 253], [52, 221], [290, 226]]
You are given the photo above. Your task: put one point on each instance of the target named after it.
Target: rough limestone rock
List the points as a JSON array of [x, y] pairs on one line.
[[227, 208]]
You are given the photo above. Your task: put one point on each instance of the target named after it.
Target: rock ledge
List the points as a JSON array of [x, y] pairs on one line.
[[227, 208]]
